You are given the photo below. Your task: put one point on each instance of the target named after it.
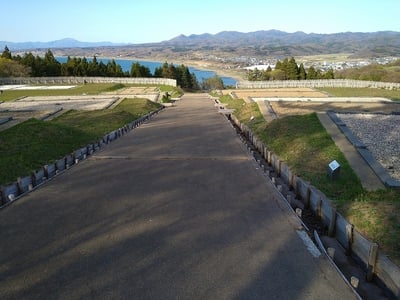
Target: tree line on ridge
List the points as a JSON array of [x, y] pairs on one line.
[[36, 66], [288, 69]]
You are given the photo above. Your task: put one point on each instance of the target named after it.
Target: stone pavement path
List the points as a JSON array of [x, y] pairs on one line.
[[176, 209]]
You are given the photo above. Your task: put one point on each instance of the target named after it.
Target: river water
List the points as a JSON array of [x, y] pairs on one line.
[[126, 64]]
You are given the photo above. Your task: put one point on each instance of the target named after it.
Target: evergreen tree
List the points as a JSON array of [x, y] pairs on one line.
[[329, 74], [186, 77], [302, 72], [312, 73], [265, 75], [254, 75], [114, 69], [278, 74], [292, 70], [29, 60], [51, 67], [6, 53], [138, 70], [279, 65], [102, 69], [93, 67]]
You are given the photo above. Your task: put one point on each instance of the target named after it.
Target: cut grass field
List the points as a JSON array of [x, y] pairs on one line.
[[307, 148], [31, 144], [88, 89], [362, 92]]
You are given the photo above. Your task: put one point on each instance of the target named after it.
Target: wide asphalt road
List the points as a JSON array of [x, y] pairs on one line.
[[176, 209]]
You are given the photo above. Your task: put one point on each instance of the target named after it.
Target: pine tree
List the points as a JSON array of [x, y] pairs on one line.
[[329, 74], [51, 66], [93, 67], [292, 70], [138, 70], [302, 72], [312, 73], [6, 53]]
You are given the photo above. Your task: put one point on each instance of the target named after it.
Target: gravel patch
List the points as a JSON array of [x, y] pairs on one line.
[[380, 133]]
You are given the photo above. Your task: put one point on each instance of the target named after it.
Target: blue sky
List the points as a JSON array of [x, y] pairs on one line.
[[140, 21]]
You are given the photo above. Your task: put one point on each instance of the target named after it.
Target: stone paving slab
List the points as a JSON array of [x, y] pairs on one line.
[[175, 209], [35, 87]]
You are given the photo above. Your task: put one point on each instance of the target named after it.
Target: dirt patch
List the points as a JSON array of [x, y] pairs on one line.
[[278, 93], [135, 91], [283, 109]]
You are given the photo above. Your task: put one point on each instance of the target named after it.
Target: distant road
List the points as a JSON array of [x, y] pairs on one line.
[[176, 209]]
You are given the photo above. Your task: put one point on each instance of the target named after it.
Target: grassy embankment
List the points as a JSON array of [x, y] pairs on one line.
[[31, 144], [307, 148]]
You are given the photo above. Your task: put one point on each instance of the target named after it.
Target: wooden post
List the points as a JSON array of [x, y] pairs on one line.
[[332, 223], [307, 201], [373, 254], [279, 164], [318, 209], [349, 234], [291, 180], [265, 154]]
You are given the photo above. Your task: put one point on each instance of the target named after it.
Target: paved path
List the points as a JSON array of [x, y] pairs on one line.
[[176, 209]]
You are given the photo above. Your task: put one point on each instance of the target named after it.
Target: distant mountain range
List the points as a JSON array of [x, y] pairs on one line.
[[273, 42], [259, 43], [63, 43]]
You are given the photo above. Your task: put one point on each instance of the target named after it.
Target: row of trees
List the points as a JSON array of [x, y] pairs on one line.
[[374, 72], [288, 69], [181, 73], [36, 66]]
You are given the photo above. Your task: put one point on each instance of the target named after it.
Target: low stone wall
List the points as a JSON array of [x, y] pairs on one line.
[[82, 80], [337, 83]]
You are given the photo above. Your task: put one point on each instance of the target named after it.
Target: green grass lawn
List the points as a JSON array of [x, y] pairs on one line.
[[88, 89], [307, 148], [362, 92], [31, 144]]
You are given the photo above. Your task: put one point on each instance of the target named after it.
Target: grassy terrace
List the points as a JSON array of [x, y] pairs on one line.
[[363, 92], [31, 144], [88, 89], [307, 148]]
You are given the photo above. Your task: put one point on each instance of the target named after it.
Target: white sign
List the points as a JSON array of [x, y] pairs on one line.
[[334, 165]]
